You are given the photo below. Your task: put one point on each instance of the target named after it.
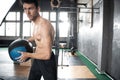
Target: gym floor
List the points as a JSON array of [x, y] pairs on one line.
[[69, 67]]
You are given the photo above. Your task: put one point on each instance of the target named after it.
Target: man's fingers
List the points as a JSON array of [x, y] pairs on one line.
[[21, 61], [19, 51], [17, 58]]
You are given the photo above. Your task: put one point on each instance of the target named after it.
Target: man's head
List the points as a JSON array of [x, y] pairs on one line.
[[35, 2], [31, 8]]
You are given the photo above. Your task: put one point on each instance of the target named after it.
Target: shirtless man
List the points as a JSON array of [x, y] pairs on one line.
[[44, 63]]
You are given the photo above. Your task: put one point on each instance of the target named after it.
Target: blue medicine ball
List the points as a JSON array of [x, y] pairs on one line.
[[19, 45]]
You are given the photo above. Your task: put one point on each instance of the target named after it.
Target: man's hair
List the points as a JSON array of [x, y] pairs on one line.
[[30, 1]]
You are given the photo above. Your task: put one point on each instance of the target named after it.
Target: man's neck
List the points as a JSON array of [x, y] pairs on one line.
[[37, 20]]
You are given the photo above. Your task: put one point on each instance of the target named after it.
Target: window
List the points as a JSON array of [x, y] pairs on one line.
[[53, 19], [27, 29], [63, 24], [18, 29], [45, 15], [10, 29], [11, 25], [63, 16], [63, 29], [13, 16], [2, 29], [53, 16]]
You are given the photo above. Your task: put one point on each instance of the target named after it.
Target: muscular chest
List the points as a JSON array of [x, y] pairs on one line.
[[37, 32]]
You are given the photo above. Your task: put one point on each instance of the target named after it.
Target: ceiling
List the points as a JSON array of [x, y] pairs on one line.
[[87, 1], [83, 1], [45, 4]]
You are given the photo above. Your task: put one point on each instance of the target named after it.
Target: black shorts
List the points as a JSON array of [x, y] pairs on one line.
[[45, 68]]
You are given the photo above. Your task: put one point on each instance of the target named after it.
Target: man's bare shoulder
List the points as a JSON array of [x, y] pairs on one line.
[[46, 23]]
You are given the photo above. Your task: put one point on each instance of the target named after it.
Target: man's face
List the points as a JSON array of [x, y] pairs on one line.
[[31, 11]]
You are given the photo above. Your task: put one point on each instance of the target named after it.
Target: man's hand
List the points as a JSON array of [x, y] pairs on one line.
[[23, 57]]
